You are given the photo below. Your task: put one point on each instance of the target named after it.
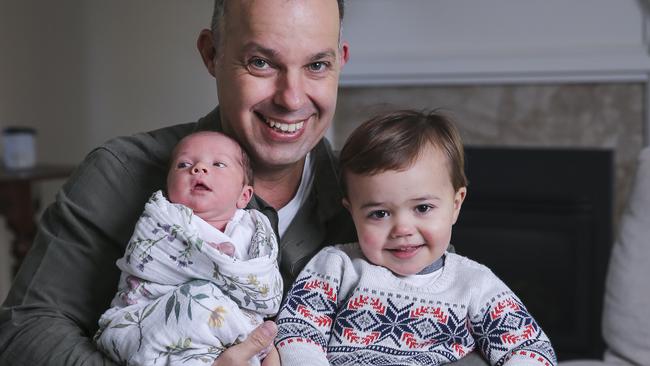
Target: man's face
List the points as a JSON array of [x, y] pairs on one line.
[[277, 71]]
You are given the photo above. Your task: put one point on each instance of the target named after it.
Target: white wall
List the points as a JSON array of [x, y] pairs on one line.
[[143, 69], [41, 78], [83, 71]]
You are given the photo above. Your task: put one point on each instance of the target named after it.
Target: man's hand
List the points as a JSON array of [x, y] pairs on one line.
[[273, 358], [259, 340]]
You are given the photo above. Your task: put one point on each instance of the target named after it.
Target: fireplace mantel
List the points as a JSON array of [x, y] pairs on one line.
[[468, 42]]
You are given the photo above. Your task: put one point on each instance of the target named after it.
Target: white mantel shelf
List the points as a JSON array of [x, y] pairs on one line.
[[613, 64], [495, 41]]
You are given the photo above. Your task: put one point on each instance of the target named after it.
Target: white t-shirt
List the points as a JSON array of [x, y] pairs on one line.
[[288, 212]]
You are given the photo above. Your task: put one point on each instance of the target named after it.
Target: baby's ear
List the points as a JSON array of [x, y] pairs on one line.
[[245, 197], [346, 203]]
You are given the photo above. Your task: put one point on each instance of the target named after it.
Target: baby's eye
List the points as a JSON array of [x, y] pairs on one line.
[[183, 165], [219, 164], [378, 214], [424, 208]]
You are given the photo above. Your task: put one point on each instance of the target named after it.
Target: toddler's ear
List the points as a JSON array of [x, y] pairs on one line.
[[459, 197]]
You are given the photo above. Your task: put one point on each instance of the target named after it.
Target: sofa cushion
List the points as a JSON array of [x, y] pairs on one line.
[[626, 315]]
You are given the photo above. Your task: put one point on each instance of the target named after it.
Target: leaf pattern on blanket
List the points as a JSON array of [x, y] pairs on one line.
[[184, 347], [174, 302], [170, 232], [136, 318], [248, 293]]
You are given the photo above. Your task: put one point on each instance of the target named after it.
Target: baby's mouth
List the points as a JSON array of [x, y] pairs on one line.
[[199, 186]]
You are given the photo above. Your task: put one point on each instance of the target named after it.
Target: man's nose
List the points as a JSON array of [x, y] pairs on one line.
[[290, 93], [199, 168]]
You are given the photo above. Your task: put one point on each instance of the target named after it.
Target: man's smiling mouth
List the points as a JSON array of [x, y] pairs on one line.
[[281, 126]]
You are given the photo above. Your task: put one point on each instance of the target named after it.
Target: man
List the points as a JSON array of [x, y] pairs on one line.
[[277, 65]]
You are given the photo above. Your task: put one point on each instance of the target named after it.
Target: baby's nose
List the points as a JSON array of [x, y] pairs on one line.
[[199, 168]]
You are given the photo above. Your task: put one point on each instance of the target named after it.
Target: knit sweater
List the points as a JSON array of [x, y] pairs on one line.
[[342, 310]]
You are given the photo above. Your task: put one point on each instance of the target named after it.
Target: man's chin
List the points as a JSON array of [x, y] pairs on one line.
[[274, 160]]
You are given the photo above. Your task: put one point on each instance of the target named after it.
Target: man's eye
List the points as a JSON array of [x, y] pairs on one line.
[[259, 63], [183, 165], [379, 214], [318, 66], [423, 208], [219, 164]]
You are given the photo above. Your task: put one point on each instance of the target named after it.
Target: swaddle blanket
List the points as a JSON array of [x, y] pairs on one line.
[[182, 301]]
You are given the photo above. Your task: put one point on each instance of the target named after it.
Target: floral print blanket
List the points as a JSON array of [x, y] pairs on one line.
[[179, 299]]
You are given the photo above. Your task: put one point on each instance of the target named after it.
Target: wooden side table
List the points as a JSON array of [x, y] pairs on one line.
[[17, 204]]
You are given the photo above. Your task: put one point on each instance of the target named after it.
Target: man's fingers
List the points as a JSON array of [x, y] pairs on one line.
[[272, 359], [259, 340]]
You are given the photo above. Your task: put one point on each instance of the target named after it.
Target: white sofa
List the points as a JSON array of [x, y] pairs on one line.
[[626, 313]]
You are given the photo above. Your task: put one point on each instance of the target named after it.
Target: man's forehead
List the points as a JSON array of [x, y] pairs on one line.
[[289, 12], [301, 30]]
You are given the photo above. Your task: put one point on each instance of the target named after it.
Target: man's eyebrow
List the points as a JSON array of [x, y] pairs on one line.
[[271, 53], [256, 47], [325, 54]]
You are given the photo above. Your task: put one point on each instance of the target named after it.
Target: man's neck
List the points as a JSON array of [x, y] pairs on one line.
[[277, 187]]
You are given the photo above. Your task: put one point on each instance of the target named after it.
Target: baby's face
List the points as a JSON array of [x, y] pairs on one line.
[[404, 218], [206, 175]]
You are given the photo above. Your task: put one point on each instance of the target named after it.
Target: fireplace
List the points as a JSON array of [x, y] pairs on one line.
[[541, 219]]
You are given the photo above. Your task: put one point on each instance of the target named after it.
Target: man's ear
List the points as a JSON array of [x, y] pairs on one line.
[[245, 197], [205, 44], [345, 53]]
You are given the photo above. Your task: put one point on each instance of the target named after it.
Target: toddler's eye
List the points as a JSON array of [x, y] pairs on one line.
[[379, 214], [219, 164], [423, 208]]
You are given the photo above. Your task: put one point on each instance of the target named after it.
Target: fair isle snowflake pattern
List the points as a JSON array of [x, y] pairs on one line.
[[373, 327], [506, 323]]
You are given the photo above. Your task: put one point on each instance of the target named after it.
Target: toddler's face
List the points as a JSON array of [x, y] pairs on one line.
[[206, 176], [404, 218]]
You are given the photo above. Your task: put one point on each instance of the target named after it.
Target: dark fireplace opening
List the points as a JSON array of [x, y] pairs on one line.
[[541, 219]]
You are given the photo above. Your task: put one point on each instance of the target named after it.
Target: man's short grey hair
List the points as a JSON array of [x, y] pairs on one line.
[[220, 10]]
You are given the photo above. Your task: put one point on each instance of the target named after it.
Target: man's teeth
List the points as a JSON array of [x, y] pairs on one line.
[[285, 127]]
